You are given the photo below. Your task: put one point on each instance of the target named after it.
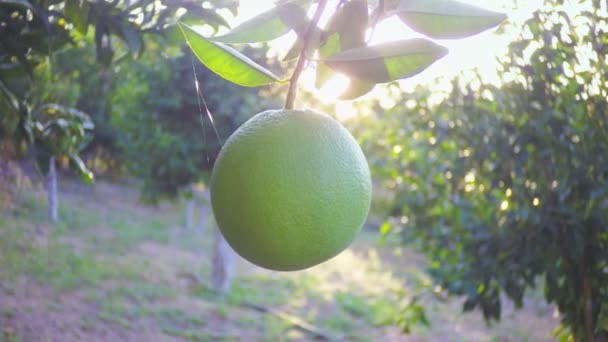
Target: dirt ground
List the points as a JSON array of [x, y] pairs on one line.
[[116, 270]]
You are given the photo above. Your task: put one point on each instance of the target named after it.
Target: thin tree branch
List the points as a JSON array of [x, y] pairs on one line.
[[377, 15], [293, 82]]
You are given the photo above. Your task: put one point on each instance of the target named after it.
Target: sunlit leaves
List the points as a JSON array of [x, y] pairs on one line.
[[61, 130], [447, 19], [226, 61], [521, 194], [356, 88], [387, 62], [196, 14], [77, 11], [346, 31], [269, 25]]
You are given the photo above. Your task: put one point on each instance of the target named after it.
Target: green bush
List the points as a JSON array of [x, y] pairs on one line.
[[501, 185]]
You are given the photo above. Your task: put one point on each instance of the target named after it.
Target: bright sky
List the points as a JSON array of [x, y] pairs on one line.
[[479, 51]]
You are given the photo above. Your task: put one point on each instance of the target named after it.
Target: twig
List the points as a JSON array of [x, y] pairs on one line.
[[293, 82], [378, 13]]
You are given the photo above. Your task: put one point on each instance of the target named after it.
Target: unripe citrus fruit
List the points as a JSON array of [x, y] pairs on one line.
[[290, 189]]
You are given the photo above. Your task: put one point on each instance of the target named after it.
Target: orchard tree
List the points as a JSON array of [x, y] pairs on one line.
[[342, 46], [155, 108], [505, 186], [247, 209], [31, 32]]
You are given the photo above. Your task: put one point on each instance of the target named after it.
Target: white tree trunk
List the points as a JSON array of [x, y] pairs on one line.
[[51, 188], [190, 213], [223, 262], [203, 214]]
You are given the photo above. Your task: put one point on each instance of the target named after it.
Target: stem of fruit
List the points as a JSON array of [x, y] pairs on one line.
[[293, 82]]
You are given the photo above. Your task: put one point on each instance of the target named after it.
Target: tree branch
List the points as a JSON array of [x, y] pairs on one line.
[[293, 82]]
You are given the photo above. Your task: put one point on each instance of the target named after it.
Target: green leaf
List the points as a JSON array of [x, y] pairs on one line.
[[315, 41], [227, 62], [81, 169], [387, 62], [356, 88], [447, 19], [269, 25], [68, 113], [347, 31], [131, 36], [11, 98], [77, 11], [197, 14], [293, 52], [18, 3], [12, 70]]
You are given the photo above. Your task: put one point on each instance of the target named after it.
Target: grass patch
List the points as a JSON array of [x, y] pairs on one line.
[[63, 269], [132, 232], [130, 299], [177, 316], [9, 336], [399, 311], [111, 318], [270, 291], [193, 335], [275, 329], [140, 291], [55, 264]]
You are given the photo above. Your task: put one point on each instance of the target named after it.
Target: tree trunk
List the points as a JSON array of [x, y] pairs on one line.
[[51, 188], [203, 215], [588, 310], [223, 260], [190, 213]]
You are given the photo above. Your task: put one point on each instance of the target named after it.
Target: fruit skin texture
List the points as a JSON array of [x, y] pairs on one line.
[[290, 189]]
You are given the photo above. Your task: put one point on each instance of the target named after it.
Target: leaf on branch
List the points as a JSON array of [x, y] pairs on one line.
[[69, 113], [10, 97], [130, 35], [356, 88], [197, 14], [347, 31], [18, 3], [315, 40], [447, 19], [387, 62], [77, 12], [293, 52], [269, 25], [226, 61], [81, 169]]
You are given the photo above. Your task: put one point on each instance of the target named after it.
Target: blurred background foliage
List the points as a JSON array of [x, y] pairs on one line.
[[504, 186]]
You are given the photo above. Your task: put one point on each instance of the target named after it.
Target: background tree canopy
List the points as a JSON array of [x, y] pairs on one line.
[[505, 187]]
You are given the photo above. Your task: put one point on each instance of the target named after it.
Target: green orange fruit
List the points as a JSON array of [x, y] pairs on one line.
[[290, 189]]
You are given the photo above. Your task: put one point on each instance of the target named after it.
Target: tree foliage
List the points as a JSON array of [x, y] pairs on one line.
[[342, 44], [31, 32], [167, 137], [506, 185]]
